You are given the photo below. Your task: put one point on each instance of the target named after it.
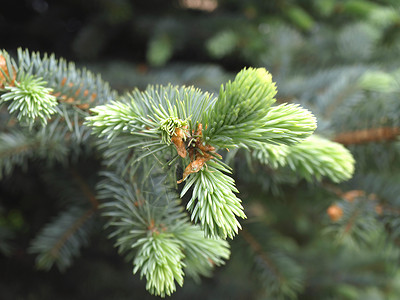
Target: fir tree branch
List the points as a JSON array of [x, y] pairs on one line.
[[15, 149], [281, 277], [69, 84], [61, 240], [257, 249], [201, 254], [112, 119], [29, 99], [356, 224], [41, 86], [55, 250], [159, 259], [86, 190], [313, 158], [243, 115], [6, 138], [76, 99], [157, 237], [213, 203]]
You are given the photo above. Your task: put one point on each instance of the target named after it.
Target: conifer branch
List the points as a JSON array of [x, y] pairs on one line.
[[61, 240], [257, 249], [15, 149], [144, 137], [6, 138], [243, 115], [30, 100], [280, 275], [55, 250], [201, 254], [38, 87], [213, 203], [313, 158], [86, 190], [356, 223], [158, 239]]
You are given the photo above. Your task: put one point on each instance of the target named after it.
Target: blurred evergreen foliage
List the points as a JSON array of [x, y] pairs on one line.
[[304, 238]]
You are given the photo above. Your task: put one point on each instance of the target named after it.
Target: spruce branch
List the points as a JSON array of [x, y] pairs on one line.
[[243, 115], [161, 120], [150, 118], [159, 259], [314, 158], [15, 149], [30, 99], [357, 223], [213, 203], [157, 236], [287, 124], [111, 119], [72, 87], [280, 275], [201, 254], [50, 144], [37, 87], [144, 137], [240, 107], [162, 102], [61, 240]]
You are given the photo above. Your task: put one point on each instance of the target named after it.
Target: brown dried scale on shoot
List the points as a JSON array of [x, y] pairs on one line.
[[178, 139], [199, 152], [4, 73]]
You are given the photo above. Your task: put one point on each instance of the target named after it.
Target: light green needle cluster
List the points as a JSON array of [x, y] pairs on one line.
[[314, 158], [243, 115], [30, 100], [149, 117], [213, 203], [240, 108], [287, 124], [168, 126], [159, 259], [201, 254], [160, 103], [319, 157], [112, 119]]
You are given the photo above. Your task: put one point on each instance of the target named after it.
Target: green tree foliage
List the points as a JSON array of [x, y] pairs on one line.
[[155, 131], [192, 178]]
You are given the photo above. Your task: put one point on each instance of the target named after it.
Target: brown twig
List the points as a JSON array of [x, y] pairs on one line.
[[364, 136], [257, 249], [86, 190], [19, 149], [67, 234]]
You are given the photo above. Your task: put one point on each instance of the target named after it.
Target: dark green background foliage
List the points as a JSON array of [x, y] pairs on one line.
[[337, 58]]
